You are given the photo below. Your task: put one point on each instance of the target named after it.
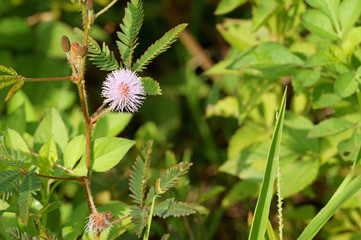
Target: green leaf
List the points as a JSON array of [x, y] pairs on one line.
[[29, 186], [19, 84], [111, 124], [132, 22], [14, 141], [319, 24], [329, 7], [15, 233], [305, 78], [47, 157], [49, 208], [329, 127], [16, 120], [158, 47], [138, 179], [73, 151], [75, 224], [9, 181], [6, 80], [323, 96], [165, 236], [263, 12], [267, 56], [103, 58], [226, 107], [8, 70], [346, 190], [108, 151], [171, 207], [348, 13], [226, 6], [151, 87], [259, 223], [51, 125], [297, 174], [321, 58], [348, 148], [345, 85], [168, 179], [139, 218]]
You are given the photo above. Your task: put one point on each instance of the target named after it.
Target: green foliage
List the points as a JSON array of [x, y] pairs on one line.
[[171, 207], [103, 58], [158, 47], [165, 236], [9, 181], [138, 180], [12, 79], [151, 87], [139, 219], [15, 233], [132, 22]]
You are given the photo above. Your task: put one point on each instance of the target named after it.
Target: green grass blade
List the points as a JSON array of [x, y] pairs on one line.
[[270, 234], [339, 198], [147, 231], [260, 219]]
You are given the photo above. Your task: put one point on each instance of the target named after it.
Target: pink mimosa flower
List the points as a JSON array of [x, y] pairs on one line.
[[123, 90]]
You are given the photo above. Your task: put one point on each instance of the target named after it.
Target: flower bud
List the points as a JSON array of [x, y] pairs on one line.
[[74, 52], [65, 44], [89, 5], [82, 51], [98, 222]]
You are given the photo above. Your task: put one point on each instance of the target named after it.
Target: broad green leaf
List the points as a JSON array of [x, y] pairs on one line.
[[73, 151], [323, 96], [321, 58], [329, 127], [267, 56], [305, 78], [346, 85], [297, 174], [348, 148], [151, 87], [21, 99], [108, 151], [51, 125], [262, 12], [329, 7], [348, 13], [111, 124], [158, 47], [47, 157], [259, 223], [352, 40], [76, 222], [343, 193], [14, 141], [319, 24], [226, 6]]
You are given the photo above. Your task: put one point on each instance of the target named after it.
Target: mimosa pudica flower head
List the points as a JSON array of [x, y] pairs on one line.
[[123, 90]]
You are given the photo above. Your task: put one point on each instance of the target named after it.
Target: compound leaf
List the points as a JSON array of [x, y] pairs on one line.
[[151, 87], [171, 207], [139, 218], [9, 181]]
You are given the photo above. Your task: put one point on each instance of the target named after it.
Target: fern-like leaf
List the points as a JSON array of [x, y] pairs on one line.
[[12, 159], [9, 181], [168, 179], [103, 58], [139, 218], [171, 207], [139, 176], [158, 47], [165, 236], [132, 22], [8, 70], [151, 87], [14, 233], [29, 186]]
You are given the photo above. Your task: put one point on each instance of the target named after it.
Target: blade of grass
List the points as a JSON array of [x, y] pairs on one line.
[[270, 234], [147, 231], [260, 219], [339, 198]]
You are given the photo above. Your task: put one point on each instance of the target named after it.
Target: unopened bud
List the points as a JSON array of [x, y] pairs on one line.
[[65, 44], [74, 52], [98, 222], [82, 51]]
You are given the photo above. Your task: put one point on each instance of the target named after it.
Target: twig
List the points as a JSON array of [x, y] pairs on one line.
[[48, 79], [79, 179], [64, 168], [99, 109], [94, 120], [104, 9], [120, 220]]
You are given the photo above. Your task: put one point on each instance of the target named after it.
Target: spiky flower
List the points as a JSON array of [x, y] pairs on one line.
[[98, 222], [123, 90]]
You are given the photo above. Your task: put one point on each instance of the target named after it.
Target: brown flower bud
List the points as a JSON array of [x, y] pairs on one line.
[[82, 51], [98, 222], [65, 44], [74, 52], [89, 4]]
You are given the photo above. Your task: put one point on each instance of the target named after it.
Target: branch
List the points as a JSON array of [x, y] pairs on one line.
[[49, 79], [120, 220], [104, 9]]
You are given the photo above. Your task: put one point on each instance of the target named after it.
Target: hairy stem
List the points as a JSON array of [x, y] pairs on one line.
[[120, 219], [79, 179], [104, 9], [96, 118], [98, 110]]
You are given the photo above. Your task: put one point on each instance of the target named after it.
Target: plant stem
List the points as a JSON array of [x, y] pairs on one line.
[[48, 79], [104, 9], [120, 220], [79, 179], [96, 118], [98, 110], [89, 197]]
